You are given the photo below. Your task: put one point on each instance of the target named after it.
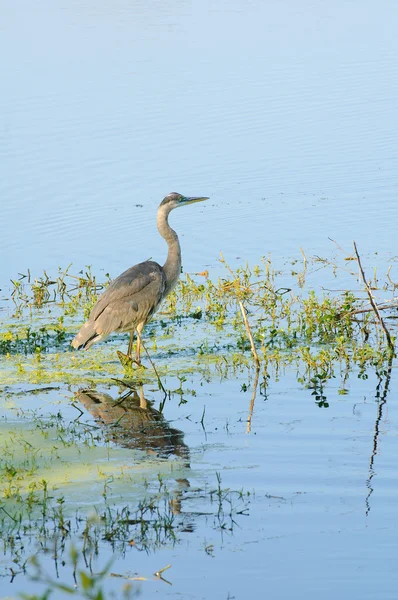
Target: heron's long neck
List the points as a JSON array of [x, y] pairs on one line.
[[172, 266]]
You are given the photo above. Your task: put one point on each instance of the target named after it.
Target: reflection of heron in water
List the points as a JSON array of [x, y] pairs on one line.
[[132, 298], [132, 422]]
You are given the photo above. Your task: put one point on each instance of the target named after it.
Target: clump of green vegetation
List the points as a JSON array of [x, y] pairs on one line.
[[24, 339], [70, 291], [250, 312]]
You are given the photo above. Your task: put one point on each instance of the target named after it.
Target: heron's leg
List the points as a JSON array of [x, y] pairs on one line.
[[127, 359], [130, 344], [140, 327]]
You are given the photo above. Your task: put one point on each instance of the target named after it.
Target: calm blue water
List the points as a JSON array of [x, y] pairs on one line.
[[322, 520], [285, 113]]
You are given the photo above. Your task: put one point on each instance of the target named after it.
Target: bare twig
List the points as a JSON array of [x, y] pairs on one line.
[[243, 311], [159, 573], [79, 409], [372, 301], [395, 285], [385, 306], [249, 333], [153, 366], [222, 260], [127, 384], [129, 578], [338, 245]]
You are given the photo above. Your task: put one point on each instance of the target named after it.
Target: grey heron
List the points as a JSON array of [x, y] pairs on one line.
[[132, 298]]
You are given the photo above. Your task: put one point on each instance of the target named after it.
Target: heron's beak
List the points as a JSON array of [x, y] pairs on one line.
[[192, 199]]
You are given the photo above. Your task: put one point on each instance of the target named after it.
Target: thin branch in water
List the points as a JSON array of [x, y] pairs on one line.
[[153, 366], [127, 384], [123, 397], [79, 409], [386, 306], [304, 256], [394, 285], [222, 260], [249, 333], [159, 573], [372, 301], [338, 245], [251, 408]]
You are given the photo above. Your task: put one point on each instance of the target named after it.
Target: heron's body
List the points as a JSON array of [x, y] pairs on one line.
[[133, 297]]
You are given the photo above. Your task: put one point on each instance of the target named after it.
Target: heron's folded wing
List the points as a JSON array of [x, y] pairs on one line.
[[128, 312], [128, 285]]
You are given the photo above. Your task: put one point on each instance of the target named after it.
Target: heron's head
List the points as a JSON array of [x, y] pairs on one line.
[[174, 200]]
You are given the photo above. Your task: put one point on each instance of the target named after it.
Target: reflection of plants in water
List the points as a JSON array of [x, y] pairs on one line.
[[150, 524], [33, 514], [317, 385], [382, 390], [227, 509]]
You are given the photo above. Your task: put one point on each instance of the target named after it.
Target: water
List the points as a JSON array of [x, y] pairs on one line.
[[320, 518], [285, 114]]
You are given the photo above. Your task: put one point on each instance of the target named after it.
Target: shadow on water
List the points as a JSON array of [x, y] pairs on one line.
[[131, 421]]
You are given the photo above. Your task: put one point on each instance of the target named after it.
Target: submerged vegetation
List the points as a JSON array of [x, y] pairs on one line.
[[253, 320]]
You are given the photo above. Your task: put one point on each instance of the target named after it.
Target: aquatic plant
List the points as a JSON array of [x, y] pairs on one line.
[[255, 311]]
